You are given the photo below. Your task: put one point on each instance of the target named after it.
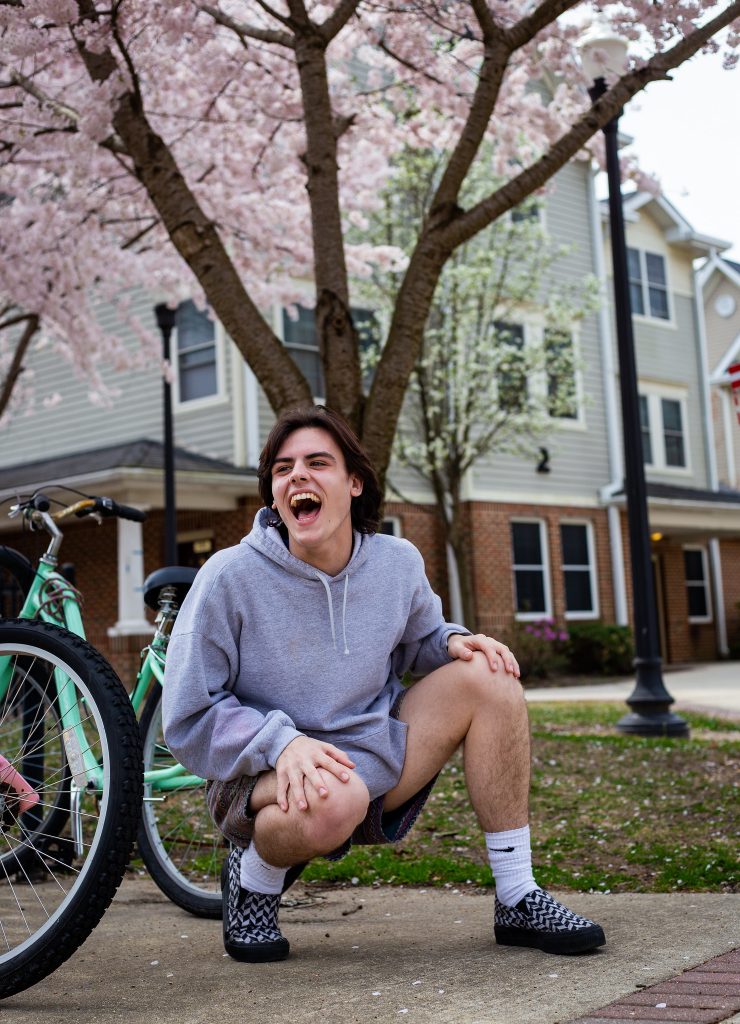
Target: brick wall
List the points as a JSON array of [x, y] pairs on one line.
[[492, 559]]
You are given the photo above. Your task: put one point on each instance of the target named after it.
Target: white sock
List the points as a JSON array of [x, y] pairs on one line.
[[510, 857], [259, 876]]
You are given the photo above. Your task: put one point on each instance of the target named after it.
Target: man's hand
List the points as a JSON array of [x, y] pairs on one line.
[[462, 647], [300, 761]]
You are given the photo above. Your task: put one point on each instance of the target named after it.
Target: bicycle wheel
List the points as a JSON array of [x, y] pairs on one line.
[[52, 897], [16, 577], [179, 844]]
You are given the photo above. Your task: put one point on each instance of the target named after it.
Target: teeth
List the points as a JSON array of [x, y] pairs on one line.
[[306, 495]]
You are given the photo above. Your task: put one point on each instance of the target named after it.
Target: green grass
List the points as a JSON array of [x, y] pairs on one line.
[[609, 812]]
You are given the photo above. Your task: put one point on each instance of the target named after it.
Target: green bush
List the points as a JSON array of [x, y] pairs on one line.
[[600, 648]]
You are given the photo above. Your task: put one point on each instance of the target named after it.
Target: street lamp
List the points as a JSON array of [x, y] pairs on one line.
[[603, 56], [166, 321]]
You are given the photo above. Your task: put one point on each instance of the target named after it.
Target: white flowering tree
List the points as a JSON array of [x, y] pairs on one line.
[[221, 149], [479, 387]]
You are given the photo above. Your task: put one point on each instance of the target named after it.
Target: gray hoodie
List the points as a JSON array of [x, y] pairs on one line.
[[266, 648]]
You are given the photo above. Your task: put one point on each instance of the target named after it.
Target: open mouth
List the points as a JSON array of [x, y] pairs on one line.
[[305, 506]]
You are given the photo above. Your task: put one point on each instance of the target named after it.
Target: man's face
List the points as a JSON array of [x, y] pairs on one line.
[[313, 493]]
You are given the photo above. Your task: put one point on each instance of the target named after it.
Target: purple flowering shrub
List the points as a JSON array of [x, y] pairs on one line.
[[539, 647]]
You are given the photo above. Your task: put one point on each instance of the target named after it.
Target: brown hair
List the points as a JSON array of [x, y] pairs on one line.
[[365, 507]]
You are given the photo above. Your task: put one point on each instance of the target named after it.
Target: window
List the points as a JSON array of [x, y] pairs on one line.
[[576, 544], [562, 401], [299, 336], [648, 284], [697, 584], [527, 210], [194, 548], [197, 375], [647, 447], [664, 428], [531, 584], [512, 377], [391, 526], [672, 432]]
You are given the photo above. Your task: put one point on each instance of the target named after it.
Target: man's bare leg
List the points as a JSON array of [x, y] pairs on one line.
[[466, 702]]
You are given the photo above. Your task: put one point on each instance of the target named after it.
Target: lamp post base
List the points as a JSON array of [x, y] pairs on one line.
[[653, 720]]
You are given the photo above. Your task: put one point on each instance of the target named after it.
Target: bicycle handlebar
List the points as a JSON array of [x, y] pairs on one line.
[[109, 507], [39, 505]]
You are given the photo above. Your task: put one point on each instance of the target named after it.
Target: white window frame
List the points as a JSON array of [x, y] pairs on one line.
[[592, 574], [545, 567], [219, 397], [533, 334], [647, 317], [709, 617], [395, 522], [577, 422], [654, 393]]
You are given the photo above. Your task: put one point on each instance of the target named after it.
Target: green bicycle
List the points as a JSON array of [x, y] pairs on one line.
[[180, 846]]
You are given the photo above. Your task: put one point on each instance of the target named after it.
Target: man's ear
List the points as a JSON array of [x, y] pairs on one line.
[[356, 486]]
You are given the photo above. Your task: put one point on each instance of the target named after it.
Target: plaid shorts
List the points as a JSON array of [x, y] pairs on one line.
[[228, 804]]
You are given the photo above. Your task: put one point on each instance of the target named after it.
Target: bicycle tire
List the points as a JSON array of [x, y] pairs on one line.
[[46, 915], [16, 577], [181, 847]]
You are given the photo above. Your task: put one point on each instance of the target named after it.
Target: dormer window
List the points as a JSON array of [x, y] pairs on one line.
[[648, 284]]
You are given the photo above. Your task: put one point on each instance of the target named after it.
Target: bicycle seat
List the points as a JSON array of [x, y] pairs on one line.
[[178, 576]]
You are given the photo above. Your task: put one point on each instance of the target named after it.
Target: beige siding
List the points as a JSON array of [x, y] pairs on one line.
[[76, 425], [578, 457]]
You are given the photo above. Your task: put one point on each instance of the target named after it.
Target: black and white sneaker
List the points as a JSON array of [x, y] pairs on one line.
[[251, 931], [540, 922]]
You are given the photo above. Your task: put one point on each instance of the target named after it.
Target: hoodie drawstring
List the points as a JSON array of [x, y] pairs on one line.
[[331, 611]]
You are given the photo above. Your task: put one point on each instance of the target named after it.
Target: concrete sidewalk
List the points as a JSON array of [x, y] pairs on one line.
[[376, 954], [714, 686], [387, 954]]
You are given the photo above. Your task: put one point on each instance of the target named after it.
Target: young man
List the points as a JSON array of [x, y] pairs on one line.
[[283, 688]]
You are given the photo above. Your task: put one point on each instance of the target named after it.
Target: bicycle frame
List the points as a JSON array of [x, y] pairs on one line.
[[53, 599]]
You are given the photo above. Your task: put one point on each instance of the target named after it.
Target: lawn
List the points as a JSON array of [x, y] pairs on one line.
[[609, 812]]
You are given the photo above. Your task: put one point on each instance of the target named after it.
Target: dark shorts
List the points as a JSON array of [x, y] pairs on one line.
[[228, 805]]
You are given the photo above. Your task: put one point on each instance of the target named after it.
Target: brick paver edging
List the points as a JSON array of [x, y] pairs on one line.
[[705, 994]]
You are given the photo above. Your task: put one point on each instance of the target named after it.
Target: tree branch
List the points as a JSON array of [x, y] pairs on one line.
[[197, 240], [338, 19], [60, 109], [469, 223], [526, 29], [244, 31], [495, 60], [16, 366]]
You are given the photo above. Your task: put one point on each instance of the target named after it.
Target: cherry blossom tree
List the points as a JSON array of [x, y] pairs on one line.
[[223, 150]]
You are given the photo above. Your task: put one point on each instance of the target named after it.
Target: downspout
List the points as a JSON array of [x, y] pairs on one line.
[[709, 441], [613, 433]]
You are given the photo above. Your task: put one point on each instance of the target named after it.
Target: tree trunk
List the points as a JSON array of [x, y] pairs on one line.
[[16, 366], [460, 541]]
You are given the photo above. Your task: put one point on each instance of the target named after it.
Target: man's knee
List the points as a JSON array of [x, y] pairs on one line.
[[330, 820], [499, 688]]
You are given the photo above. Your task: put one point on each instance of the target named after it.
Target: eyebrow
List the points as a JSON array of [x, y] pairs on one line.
[[312, 455]]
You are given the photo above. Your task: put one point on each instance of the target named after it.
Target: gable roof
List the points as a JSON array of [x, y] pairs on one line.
[[133, 473], [674, 225]]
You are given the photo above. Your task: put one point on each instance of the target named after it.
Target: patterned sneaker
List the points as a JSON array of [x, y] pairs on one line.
[[541, 922], [251, 931]]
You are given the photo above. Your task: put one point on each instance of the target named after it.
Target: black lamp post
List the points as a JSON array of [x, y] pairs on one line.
[[166, 321], [650, 701]]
